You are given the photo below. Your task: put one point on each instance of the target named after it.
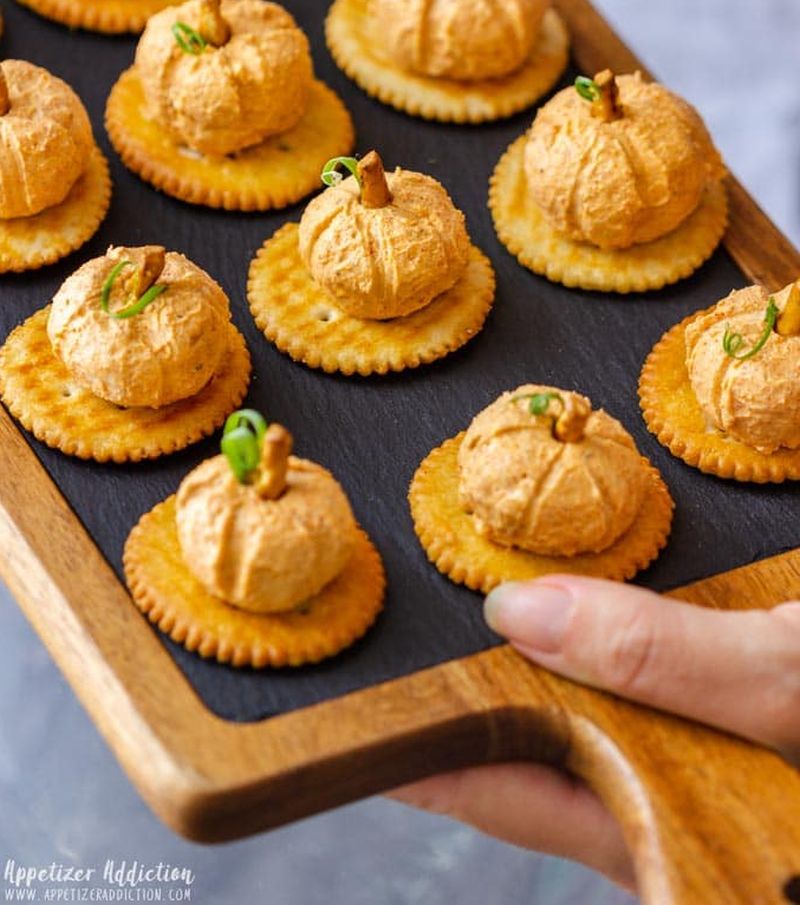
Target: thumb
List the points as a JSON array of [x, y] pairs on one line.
[[739, 671]]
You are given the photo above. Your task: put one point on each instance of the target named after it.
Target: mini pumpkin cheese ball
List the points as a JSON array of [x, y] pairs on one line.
[[223, 76], [540, 470], [616, 187], [619, 161], [54, 182], [264, 531], [539, 483], [383, 245], [257, 560], [378, 276], [459, 39], [140, 326], [45, 139], [463, 61], [743, 360]]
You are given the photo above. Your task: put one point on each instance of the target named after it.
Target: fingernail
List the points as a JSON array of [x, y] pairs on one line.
[[531, 613]]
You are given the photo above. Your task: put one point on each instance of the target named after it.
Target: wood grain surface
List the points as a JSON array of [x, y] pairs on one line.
[[709, 818]]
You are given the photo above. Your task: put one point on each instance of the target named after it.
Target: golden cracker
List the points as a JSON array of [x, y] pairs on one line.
[[672, 412], [297, 315], [357, 47], [170, 596], [27, 243], [522, 228], [457, 550], [108, 16], [279, 171], [38, 390]]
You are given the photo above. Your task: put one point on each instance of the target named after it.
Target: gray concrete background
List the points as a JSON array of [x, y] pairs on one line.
[[63, 797]]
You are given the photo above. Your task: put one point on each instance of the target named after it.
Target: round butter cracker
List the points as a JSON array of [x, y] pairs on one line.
[[107, 16], [40, 393], [280, 171], [27, 243], [171, 597], [673, 414], [297, 315], [521, 227], [455, 547], [356, 45]]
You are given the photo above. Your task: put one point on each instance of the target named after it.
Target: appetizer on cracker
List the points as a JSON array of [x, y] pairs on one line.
[[135, 357], [257, 560], [54, 182], [721, 390], [378, 276], [617, 186], [107, 16], [465, 61], [221, 107], [540, 482]]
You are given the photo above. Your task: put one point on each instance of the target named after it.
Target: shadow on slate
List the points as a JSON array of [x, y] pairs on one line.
[[373, 432]]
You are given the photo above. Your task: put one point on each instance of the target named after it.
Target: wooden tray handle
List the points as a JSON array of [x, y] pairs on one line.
[[709, 818]]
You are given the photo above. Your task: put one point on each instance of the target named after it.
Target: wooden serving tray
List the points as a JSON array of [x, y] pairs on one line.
[[218, 753]]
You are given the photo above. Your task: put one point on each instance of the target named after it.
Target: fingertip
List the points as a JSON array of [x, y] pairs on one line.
[[494, 602], [533, 613]]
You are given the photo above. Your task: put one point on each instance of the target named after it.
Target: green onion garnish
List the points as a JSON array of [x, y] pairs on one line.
[[136, 307], [538, 403], [588, 89], [330, 173], [105, 292], [242, 439], [733, 342], [189, 40]]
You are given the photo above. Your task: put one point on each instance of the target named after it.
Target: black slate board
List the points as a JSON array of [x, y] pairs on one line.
[[372, 433]]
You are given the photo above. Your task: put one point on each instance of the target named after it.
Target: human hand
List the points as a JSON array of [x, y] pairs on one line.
[[737, 670]]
